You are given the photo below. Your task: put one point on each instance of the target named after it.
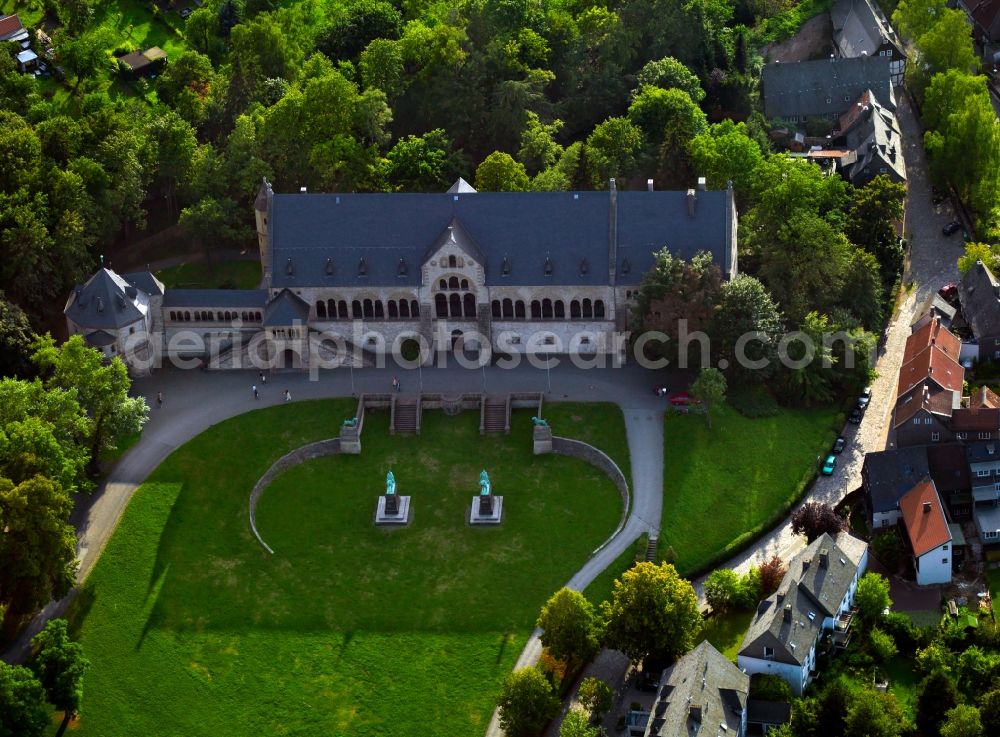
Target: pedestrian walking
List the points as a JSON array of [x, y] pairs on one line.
[[288, 396], [254, 389], [159, 400], [395, 384], [263, 378]]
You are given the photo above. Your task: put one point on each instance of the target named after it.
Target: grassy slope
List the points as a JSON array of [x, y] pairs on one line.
[[726, 631], [346, 630], [232, 274], [719, 483]]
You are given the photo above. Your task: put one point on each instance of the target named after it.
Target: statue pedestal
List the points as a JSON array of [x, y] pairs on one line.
[[384, 516], [489, 513], [542, 436], [350, 440]]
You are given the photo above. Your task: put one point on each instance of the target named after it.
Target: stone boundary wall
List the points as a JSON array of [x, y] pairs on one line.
[[601, 460], [294, 458]]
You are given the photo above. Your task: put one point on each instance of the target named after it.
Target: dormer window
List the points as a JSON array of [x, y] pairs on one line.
[[626, 265], [584, 266], [289, 269], [547, 269], [401, 268], [329, 267], [100, 304], [452, 262], [362, 267], [505, 267]]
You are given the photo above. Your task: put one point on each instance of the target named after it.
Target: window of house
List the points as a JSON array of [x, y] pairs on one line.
[[980, 473], [768, 652], [944, 560], [984, 436], [996, 341], [935, 436], [916, 420], [961, 435], [944, 547], [881, 170], [927, 420]]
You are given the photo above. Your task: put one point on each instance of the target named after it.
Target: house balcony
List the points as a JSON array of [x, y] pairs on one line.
[[842, 628]]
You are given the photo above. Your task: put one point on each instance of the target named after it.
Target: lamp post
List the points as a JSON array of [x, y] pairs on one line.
[[352, 378]]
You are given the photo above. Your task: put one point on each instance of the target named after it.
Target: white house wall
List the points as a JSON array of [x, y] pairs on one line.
[[934, 566]]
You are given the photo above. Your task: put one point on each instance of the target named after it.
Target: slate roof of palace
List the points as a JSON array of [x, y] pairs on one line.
[[705, 679], [105, 301], [286, 309], [526, 228], [804, 87], [255, 298]]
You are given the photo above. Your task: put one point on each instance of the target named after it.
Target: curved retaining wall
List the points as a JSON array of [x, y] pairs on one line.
[[602, 461], [297, 456]]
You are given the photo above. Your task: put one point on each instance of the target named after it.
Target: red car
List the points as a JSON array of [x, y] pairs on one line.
[[682, 399], [949, 291]]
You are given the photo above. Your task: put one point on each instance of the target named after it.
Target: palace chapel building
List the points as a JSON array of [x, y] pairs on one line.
[[549, 271]]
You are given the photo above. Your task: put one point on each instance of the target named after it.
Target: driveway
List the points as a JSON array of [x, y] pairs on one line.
[[932, 263]]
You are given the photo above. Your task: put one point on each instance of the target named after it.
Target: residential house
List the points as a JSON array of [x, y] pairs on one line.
[[934, 306], [984, 474], [142, 63], [11, 29], [930, 387], [825, 88], [978, 293], [860, 28], [870, 132], [950, 470], [928, 533], [984, 398], [985, 18], [814, 599], [27, 60], [886, 476], [703, 692]]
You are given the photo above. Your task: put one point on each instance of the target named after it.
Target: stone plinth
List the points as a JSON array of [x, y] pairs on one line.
[[350, 440], [542, 435], [385, 515], [487, 512]]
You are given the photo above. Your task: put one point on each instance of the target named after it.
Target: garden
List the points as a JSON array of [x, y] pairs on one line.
[[347, 629]]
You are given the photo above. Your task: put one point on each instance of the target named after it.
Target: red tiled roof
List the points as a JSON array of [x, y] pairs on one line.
[[931, 334], [983, 398], [975, 419], [934, 364], [937, 401], [10, 25], [926, 525]]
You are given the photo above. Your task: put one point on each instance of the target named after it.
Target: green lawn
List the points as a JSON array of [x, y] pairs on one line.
[[903, 683], [193, 629], [202, 275], [726, 631], [725, 482], [132, 23]]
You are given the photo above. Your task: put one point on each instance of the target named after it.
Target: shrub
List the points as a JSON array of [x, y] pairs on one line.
[[596, 697], [888, 548], [527, 702], [722, 589], [883, 646], [906, 635], [813, 519], [766, 687], [936, 694], [872, 597], [771, 574]]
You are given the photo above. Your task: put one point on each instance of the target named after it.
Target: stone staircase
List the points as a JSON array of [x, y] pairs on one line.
[[495, 414], [651, 549], [404, 418]]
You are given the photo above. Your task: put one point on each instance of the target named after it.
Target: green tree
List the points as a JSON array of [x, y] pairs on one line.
[[75, 14], [209, 222], [768, 687], [722, 589], [612, 149], [873, 714], [575, 724], [962, 721], [204, 33], [174, 141], [102, 389], [424, 163], [746, 309], [669, 119], [944, 45], [883, 645], [60, 665], [977, 669], [84, 56], [979, 252], [527, 702], [936, 695], [862, 293], [189, 85], [872, 597], [364, 21], [16, 340], [596, 697], [666, 73], [709, 388], [726, 153], [23, 711], [259, 51], [989, 709], [913, 18], [499, 172], [37, 549], [873, 210], [571, 630], [814, 519], [539, 150], [809, 361], [653, 611], [381, 66]]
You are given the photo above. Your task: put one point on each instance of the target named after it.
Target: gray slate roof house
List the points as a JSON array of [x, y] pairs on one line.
[[702, 688], [824, 88], [861, 29], [978, 293], [106, 300], [874, 136], [887, 475]]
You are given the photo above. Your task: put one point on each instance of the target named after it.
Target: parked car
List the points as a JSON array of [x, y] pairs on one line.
[[829, 464], [949, 292], [865, 398], [951, 228], [855, 417], [185, 12], [838, 445], [681, 399]]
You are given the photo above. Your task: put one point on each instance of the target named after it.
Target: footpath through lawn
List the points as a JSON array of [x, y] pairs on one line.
[[347, 629], [732, 481]]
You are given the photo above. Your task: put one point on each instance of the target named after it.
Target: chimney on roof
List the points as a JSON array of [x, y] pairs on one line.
[[805, 565], [824, 558], [927, 507], [695, 713], [702, 184], [691, 197], [788, 613], [649, 185], [781, 597]]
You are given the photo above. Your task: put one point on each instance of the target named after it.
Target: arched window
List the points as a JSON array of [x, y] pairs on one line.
[[356, 309], [256, 316], [465, 283], [321, 310], [495, 308], [243, 316], [536, 309], [379, 310], [547, 308], [197, 317], [588, 310], [369, 308], [441, 305], [206, 316], [404, 308], [599, 309], [442, 284], [455, 305], [393, 310], [414, 308], [469, 304], [173, 316], [331, 309], [519, 309], [560, 309], [187, 316], [508, 309], [342, 312], [453, 281], [452, 262], [574, 309]]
